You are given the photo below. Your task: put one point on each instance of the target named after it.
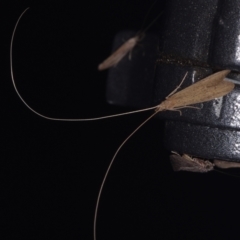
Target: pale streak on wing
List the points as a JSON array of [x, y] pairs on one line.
[[116, 57], [205, 90], [226, 164]]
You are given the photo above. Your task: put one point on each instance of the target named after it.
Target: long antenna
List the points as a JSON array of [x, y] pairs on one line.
[[51, 118], [154, 20], [148, 12], [108, 169]]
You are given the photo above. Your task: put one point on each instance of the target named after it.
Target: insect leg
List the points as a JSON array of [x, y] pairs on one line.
[[175, 90]]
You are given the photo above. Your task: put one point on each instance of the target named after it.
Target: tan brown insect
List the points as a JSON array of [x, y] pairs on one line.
[[192, 164], [187, 163], [117, 56], [126, 47], [204, 90]]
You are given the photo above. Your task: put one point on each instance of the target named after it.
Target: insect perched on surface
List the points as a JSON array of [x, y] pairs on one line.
[[204, 90], [187, 163], [125, 48], [190, 164]]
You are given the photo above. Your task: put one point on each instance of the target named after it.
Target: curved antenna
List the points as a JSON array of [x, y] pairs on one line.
[[108, 169], [51, 118], [154, 20], [148, 12]]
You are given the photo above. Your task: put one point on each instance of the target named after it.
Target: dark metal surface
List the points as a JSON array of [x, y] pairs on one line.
[[200, 37], [131, 81]]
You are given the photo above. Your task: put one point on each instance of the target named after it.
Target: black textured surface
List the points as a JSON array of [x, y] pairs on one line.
[[226, 42], [188, 30], [195, 37], [131, 81], [207, 142]]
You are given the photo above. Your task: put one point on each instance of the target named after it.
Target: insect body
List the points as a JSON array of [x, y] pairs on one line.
[[190, 164], [125, 48], [204, 90], [117, 56], [187, 163]]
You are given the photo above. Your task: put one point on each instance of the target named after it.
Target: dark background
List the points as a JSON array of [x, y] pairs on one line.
[[51, 171]]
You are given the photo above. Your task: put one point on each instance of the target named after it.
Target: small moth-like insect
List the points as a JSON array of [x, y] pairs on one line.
[[187, 163], [204, 90], [125, 48], [192, 164], [117, 56]]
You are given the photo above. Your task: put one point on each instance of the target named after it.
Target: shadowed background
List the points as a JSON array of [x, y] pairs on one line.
[[51, 171]]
